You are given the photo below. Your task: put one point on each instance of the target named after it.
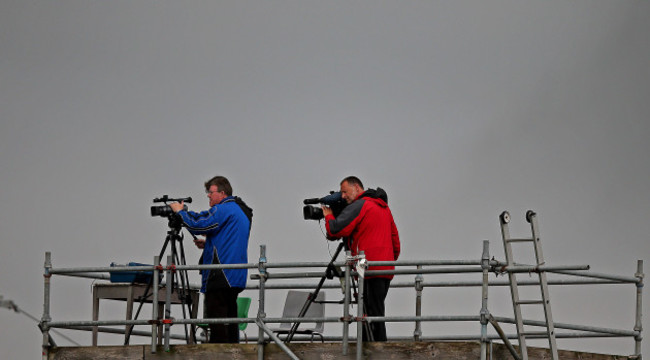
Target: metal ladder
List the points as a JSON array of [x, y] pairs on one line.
[[531, 217]]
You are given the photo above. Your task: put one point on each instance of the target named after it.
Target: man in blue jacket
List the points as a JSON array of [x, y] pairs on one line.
[[226, 226]]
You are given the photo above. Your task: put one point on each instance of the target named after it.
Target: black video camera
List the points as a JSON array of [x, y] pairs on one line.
[[333, 200], [166, 210]]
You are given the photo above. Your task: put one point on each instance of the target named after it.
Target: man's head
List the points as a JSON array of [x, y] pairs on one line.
[[217, 189], [351, 188]]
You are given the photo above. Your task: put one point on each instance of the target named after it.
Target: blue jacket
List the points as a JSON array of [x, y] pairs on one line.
[[227, 229]]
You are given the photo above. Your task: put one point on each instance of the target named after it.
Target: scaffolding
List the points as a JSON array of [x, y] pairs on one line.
[[265, 280]]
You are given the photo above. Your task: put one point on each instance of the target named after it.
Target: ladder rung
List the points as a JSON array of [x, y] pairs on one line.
[[530, 302], [520, 240]]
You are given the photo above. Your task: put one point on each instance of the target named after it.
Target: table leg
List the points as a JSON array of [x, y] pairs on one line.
[[129, 314]]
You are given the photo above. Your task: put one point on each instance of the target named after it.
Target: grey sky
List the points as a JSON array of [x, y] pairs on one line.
[[459, 109]]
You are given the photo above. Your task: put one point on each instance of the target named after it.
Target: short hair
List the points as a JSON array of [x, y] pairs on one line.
[[221, 183], [352, 180]]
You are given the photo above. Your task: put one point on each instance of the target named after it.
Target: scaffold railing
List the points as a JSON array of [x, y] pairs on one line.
[[264, 280]]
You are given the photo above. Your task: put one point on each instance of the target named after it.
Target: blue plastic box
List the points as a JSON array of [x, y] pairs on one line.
[[133, 277]]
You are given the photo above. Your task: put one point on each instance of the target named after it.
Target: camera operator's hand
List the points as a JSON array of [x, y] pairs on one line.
[[327, 210], [177, 206], [199, 242]]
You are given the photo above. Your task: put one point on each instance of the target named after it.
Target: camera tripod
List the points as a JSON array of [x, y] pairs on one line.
[[179, 281], [330, 272]]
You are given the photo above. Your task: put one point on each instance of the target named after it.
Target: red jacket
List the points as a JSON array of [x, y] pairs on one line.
[[369, 227]]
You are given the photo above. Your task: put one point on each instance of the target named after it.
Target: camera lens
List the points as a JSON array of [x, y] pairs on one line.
[[312, 213], [162, 210]]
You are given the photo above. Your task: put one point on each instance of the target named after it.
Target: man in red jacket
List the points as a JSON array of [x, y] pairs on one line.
[[368, 226]]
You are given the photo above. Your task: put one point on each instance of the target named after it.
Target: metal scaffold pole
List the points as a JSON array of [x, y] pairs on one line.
[[346, 303], [360, 313], [485, 264], [46, 305], [260, 311], [639, 304], [154, 312]]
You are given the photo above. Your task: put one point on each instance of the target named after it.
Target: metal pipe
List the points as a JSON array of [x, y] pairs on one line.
[[417, 333], [503, 337], [381, 263], [428, 318], [485, 264], [154, 305], [380, 272], [506, 283], [638, 326], [109, 330], [88, 275], [572, 327], [360, 313], [477, 337], [346, 303], [86, 272], [554, 269], [456, 270], [277, 340], [260, 310], [448, 270], [543, 268], [331, 319], [627, 279], [425, 263], [66, 324], [299, 337], [586, 330], [168, 300], [46, 318], [425, 284], [304, 264], [403, 284], [59, 271]]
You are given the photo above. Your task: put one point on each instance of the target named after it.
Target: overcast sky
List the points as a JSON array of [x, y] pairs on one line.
[[458, 109]]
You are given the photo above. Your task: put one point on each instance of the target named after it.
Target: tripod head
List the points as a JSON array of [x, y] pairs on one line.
[[175, 222]]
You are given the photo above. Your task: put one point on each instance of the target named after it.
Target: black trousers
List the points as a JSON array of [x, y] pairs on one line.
[[222, 303], [374, 295]]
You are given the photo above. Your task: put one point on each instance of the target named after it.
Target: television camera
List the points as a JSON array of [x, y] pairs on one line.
[[333, 200], [166, 210]]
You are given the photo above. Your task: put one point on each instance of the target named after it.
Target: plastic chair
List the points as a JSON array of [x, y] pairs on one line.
[[292, 306], [243, 305]]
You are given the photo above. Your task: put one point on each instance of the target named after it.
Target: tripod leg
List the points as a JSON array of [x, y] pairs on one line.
[[180, 291], [312, 296], [184, 294], [366, 326]]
